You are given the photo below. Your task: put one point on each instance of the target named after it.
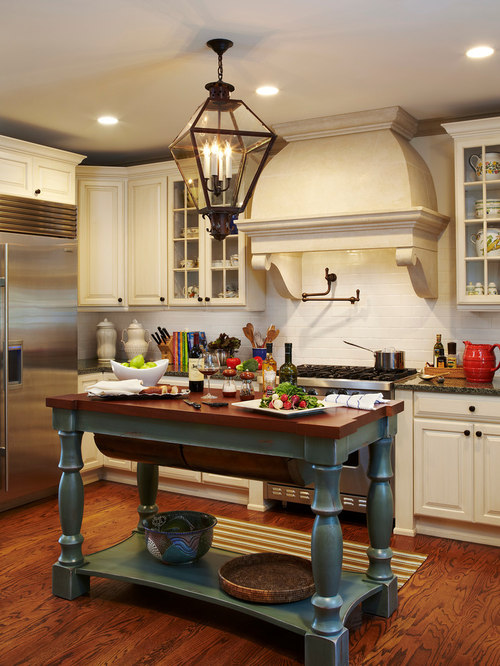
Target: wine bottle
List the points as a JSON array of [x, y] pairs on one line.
[[438, 350], [269, 371], [195, 357], [288, 371]]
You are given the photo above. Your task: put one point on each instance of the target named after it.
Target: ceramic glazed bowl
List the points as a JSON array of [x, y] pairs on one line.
[[492, 208], [179, 537], [149, 376]]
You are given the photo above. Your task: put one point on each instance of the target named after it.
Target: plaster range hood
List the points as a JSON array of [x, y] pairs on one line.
[[341, 183]]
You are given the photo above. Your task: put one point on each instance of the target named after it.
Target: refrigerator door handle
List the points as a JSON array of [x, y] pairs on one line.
[[4, 370]]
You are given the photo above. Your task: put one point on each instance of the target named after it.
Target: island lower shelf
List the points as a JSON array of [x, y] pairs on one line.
[[130, 561]]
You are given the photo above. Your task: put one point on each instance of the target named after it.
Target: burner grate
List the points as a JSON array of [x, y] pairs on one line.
[[354, 372]]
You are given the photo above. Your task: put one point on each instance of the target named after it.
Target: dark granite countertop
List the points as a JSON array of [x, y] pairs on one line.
[[450, 385]]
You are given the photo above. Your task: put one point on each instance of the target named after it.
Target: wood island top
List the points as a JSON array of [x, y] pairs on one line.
[[332, 423]]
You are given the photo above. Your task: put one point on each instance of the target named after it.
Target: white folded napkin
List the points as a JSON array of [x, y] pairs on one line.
[[359, 401], [116, 387]]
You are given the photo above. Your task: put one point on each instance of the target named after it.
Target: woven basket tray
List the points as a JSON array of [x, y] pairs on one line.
[[268, 578], [451, 373]]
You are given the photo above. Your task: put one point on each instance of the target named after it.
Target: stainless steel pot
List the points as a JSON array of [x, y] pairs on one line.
[[387, 359]]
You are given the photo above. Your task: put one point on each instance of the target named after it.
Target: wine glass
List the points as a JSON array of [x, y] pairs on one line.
[[210, 367]]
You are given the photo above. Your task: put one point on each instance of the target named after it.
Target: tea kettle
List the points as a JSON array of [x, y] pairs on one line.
[[135, 339], [479, 362]]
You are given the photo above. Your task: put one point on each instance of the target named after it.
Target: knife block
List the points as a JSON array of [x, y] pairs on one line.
[[166, 350]]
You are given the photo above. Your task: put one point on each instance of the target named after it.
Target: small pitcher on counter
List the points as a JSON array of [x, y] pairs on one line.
[[479, 362], [135, 340]]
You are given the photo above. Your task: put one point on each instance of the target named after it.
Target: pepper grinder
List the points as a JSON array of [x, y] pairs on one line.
[[106, 341]]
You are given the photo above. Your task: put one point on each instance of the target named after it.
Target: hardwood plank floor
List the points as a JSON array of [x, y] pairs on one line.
[[449, 611]]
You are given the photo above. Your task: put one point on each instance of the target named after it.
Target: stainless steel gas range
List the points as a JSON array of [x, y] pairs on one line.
[[326, 379]]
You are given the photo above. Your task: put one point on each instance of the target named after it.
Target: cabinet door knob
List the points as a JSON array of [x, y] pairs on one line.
[[472, 408], [466, 433], [479, 433], [38, 191], [162, 299], [120, 300], [200, 299], [207, 298]]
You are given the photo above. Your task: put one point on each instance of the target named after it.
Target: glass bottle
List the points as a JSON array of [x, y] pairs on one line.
[[195, 358], [288, 371], [438, 350], [452, 355], [269, 371]]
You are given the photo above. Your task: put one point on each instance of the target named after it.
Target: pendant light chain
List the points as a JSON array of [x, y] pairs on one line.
[[219, 69]]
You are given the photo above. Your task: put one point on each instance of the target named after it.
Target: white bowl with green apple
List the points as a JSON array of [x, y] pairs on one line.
[[137, 368]]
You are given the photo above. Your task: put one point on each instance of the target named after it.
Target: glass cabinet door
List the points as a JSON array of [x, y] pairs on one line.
[[186, 258], [205, 271], [481, 239], [223, 265]]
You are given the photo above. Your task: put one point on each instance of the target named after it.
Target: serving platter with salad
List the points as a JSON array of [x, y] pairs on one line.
[[287, 401]]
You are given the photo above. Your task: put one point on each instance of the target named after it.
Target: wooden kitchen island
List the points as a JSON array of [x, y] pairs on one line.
[[169, 432]]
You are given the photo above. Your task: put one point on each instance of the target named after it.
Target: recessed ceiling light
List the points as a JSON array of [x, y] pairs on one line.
[[107, 120], [267, 90], [480, 52]]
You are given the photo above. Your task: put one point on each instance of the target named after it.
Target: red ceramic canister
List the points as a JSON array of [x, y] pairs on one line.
[[479, 362]]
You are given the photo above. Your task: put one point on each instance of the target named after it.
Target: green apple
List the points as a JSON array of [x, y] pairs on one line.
[[150, 364], [126, 364]]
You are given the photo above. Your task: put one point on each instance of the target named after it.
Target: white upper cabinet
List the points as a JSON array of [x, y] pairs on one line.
[[142, 243], [477, 203], [101, 242], [30, 170], [203, 271], [147, 240]]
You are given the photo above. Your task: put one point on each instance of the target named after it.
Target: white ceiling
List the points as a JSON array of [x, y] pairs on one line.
[[66, 62]]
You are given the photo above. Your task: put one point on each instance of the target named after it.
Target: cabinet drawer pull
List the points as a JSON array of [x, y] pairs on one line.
[[466, 433], [479, 433], [472, 408]]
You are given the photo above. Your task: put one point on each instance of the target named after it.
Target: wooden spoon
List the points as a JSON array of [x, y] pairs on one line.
[[248, 332], [272, 333]]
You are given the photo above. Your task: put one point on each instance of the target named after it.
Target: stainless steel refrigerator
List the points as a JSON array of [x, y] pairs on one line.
[[38, 351]]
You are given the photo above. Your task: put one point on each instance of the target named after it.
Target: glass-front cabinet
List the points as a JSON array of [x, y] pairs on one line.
[[203, 271], [477, 203]]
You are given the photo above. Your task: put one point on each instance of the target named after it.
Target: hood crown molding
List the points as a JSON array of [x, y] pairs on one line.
[[341, 183]]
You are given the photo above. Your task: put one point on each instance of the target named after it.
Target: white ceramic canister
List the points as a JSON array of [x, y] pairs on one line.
[[106, 341], [135, 340], [492, 208]]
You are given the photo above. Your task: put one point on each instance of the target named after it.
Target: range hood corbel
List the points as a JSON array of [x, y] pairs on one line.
[[338, 164]]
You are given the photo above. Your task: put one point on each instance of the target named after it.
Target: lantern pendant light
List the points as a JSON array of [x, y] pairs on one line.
[[221, 152]]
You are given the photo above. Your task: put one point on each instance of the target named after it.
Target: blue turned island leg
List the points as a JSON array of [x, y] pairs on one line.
[[328, 643], [147, 484], [65, 582], [380, 508]]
